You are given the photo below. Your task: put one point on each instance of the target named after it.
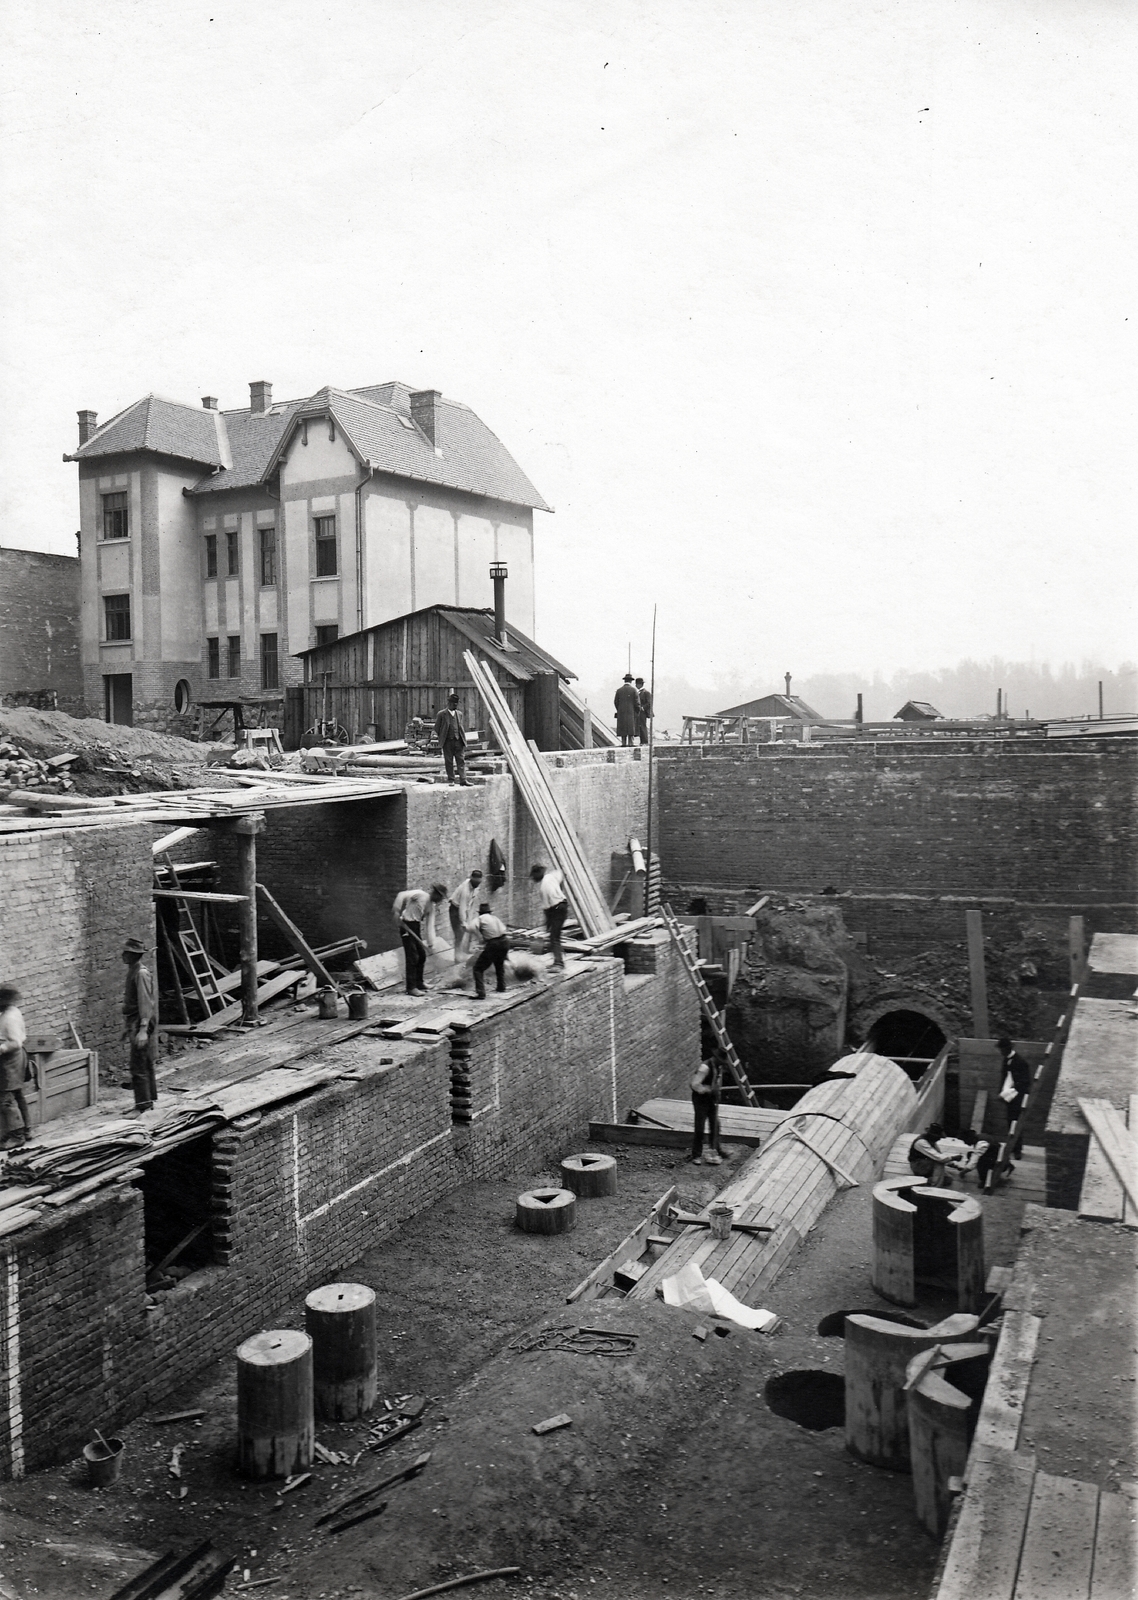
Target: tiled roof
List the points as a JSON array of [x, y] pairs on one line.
[[523, 662], [168, 427]]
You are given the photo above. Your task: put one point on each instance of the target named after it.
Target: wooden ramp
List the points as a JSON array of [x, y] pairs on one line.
[[744, 1124]]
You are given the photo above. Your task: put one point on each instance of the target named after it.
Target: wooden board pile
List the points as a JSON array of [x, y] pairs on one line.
[[532, 779]]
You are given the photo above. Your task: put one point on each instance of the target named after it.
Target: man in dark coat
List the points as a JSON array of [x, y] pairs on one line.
[[644, 716], [627, 703], [140, 1024], [1018, 1070], [452, 740]]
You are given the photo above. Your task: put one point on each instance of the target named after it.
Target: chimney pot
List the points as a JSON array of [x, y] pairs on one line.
[[260, 397], [423, 411], [499, 573], [209, 401], [88, 421]]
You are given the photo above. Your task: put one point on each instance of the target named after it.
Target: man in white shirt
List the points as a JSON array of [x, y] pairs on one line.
[[554, 905], [495, 948], [463, 907], [14, 1065], [414, 912]]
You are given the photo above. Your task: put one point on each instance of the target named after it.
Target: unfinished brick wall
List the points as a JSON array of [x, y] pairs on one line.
[[71, 896], [302, 1191], [1040, 820], [39, 629]]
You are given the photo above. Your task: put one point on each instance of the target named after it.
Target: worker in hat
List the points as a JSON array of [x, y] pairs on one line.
[[627, 703], [644, 714], [140, 1024], [452, 740], [463, 907]]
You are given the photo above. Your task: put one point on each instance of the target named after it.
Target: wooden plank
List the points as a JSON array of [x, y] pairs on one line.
[[1114, 1575], [632, 1247], [983, 1558], [1118, 1146], [294, 936], [234, 1013], [1001, 1412], [974, 923], [1130, 1210], [1058, 1548], [201, 895], [1101, 1198]]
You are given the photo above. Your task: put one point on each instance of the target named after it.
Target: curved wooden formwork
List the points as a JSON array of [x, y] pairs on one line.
[[839, 1133]]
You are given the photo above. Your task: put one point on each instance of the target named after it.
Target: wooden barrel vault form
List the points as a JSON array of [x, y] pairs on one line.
[[275, 1429], [340, 1320]]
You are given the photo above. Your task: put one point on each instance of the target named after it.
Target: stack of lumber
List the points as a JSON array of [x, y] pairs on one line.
[[838, 1132], [19, 1206], [572, 716], [1109, 1191], [72, 1156], [532, 779]]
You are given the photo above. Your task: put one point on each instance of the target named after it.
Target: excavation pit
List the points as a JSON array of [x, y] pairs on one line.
[[811, 1398]]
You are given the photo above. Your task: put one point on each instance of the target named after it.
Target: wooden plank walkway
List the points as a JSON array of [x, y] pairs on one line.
[[744, 1124]]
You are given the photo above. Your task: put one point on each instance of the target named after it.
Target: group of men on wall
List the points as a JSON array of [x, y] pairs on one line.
[[633, 704]]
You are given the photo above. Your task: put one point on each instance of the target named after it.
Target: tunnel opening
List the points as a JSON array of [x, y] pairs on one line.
[[811, 1398], [907, 1037]]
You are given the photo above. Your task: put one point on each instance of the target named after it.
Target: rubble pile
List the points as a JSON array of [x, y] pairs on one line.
[[19, 770]]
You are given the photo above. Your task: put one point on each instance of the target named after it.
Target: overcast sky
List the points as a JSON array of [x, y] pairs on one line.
[[814, 321]]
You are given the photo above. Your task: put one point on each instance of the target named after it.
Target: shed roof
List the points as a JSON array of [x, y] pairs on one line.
[[523, 662], [775, 705], [918, 711], [243, 448]]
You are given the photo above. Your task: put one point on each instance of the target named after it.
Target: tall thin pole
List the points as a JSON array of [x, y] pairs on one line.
[[651, 747], [1100, 699]]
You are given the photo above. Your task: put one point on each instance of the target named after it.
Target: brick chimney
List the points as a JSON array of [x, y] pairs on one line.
[[423, 404], [209, 401], [88, 422], [260, 397]]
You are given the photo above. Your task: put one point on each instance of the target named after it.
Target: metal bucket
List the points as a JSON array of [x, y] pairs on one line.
[[329, 1008], [104, 1463], [357, 1005], [721, 1216]]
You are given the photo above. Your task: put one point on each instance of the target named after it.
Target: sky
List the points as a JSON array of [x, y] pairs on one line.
[[814, 321]]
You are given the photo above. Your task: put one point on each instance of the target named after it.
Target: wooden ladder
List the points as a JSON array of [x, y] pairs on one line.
[[198, 963], [691, 967]]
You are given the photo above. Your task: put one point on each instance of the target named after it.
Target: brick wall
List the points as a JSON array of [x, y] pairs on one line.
[[1044, 820], [303, 1191], [70, 898], [39, 627]]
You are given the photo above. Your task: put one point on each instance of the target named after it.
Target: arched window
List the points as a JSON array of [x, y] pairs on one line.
[[183, 695]]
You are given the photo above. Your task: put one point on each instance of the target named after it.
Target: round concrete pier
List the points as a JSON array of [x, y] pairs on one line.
[[340, 1321], [274, 1404]]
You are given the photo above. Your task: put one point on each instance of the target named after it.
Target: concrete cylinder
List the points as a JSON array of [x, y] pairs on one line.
[[275, 1431], [340, 1320], [589, 1175], [547, 1211]]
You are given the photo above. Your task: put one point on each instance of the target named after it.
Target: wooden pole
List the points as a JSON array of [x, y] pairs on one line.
[[974, 920], [651, 748], [1077, 948], [340, 1320], [1100, 699], [247, 829], [275, 1431]]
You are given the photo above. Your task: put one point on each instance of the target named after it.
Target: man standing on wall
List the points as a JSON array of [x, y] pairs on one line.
[[627, 703], [1016, 1085], [414, 912], [452, 740], [140, 1024], [644, 716], [555, 907], [462, 907]]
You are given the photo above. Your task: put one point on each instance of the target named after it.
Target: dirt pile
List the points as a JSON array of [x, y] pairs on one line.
[[105, 758]]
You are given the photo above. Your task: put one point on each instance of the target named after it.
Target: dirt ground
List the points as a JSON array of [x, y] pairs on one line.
[[675, 1478]]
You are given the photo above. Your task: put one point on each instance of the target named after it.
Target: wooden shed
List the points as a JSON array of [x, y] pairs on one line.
[[375, 681]]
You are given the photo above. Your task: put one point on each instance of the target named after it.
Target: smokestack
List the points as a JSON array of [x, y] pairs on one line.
[[788, 685], [260, 397], [88, 421], [859, 717], [209, 401], [499, 574], [423, 403]]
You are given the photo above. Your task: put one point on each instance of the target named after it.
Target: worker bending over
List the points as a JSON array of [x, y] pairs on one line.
[[414, 912], [554, 905], [926, 1159], [495, 948], [140, 1024]]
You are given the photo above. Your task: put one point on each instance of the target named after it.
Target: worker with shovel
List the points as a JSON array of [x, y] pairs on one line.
[[495, 948], [414, 912]]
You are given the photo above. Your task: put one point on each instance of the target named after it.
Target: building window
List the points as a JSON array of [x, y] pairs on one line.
[[233, 661], [213, 658], [268, 557], [116, 608], [183, 696], [269, 675], [211, 555], [115, 520], [327, 632], [231, 552], [325, 546]]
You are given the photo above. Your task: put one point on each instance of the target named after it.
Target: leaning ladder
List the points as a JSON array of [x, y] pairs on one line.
[[691, 967], [186, 940]]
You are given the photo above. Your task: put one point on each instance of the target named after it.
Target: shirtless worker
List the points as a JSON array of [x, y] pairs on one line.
[[705, 1086], [414, 912]]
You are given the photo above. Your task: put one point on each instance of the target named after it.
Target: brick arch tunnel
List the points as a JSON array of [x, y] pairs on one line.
[[903, 1024]]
